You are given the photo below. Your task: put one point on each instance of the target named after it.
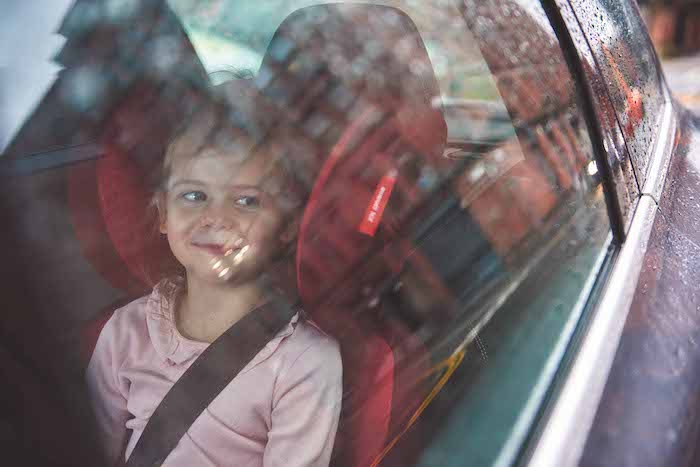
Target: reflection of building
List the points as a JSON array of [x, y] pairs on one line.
[[523, 181]]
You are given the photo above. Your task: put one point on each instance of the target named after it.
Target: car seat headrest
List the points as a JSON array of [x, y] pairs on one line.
[[116, 222], [353, 56]]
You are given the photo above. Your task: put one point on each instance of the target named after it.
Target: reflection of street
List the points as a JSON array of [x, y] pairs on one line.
[[682, 76]]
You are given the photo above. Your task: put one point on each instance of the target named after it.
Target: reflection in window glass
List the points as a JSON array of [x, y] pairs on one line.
[[627, 59], [455, 219]]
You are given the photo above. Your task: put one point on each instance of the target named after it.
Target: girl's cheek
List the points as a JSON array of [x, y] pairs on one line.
[[182, 223]]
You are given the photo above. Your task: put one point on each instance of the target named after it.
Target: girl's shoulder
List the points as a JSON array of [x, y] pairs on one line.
[[129, 323], [126, 320], [308, 338], [130, 314], [158, 305], [307, 333], [308, 356]]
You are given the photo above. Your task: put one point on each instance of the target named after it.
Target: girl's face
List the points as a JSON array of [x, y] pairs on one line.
[[222, 215]]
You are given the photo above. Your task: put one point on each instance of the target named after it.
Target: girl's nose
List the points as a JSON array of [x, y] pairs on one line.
[[218, 217]]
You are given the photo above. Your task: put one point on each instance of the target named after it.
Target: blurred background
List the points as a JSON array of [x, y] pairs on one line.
[[674, 26]]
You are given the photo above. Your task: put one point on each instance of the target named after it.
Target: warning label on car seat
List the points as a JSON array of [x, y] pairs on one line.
[[375, 210]]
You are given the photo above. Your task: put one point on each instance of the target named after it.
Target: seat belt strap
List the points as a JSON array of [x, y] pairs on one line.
[[208, 375]]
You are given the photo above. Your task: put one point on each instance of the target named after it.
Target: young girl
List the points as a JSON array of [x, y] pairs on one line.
[[227, 206]]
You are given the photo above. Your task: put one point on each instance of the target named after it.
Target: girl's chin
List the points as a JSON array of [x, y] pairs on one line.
[[225, 275], [218, 270]]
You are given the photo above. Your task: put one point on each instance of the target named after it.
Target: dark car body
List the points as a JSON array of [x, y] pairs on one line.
[[652, 386], [547, 311]]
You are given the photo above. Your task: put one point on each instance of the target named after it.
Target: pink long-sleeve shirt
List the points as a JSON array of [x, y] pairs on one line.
[[282, 409]]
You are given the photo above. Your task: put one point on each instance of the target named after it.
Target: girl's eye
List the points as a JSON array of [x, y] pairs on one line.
[[248, 201], [194, 196]]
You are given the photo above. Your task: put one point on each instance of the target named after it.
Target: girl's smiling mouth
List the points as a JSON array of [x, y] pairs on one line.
[[213, 248], [221, 250]]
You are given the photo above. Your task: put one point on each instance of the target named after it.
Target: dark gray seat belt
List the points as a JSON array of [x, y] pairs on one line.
[[205, 379]]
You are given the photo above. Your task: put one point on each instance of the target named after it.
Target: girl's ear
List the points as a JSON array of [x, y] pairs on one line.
[[162, 213]]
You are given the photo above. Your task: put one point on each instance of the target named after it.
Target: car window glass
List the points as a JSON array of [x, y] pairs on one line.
[[454, 222], [626, 57], [614, 145]]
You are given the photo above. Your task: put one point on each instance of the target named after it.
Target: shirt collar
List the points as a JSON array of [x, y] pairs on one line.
[[172, 346]]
